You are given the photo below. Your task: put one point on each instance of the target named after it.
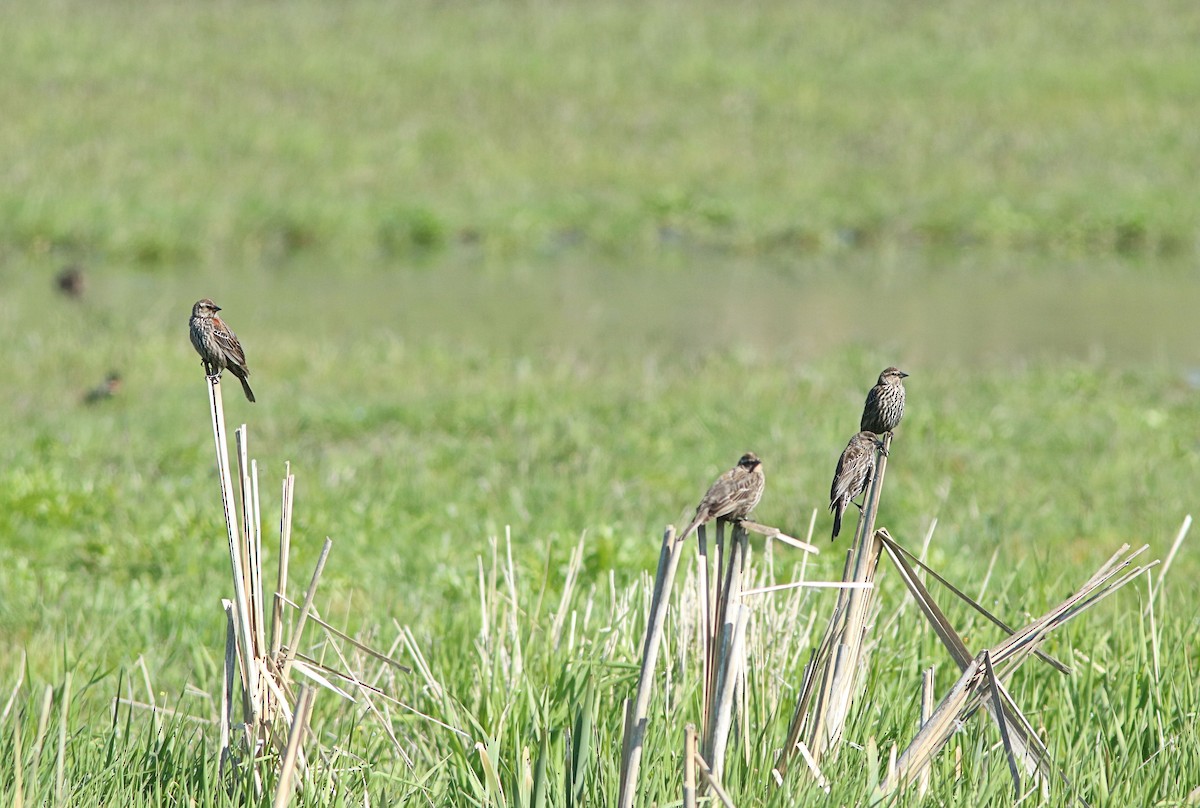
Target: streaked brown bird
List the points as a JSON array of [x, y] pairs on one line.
[[885, 403], [71, 281], [733, 495], [217, 345], [855, 469], [106, 390]]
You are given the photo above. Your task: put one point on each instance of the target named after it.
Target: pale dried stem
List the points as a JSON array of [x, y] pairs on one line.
[[294, 641], [689, 766], [635, 725], [729, 652], [926, 712], [285, 549], [283, 793], [241, 603]]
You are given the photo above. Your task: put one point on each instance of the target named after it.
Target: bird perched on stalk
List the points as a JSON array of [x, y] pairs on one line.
[[217, 345], [885, 403], [855, 469], [733, 495]]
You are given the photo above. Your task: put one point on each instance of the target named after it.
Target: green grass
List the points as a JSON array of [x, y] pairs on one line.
[[414, 443], [369, 131], [548, 269]]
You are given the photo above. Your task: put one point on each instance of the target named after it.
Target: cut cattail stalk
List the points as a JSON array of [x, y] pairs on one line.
[[285, 549], [835, 673], [262, 663], [635, 724], [689, 766], [728, 649], [249, 669], [711, 780], [294, 641], [283, 793], [926, 712]]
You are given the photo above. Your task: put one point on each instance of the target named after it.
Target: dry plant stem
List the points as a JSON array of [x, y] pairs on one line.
[[712, 641], [635, 725], [43, 722], [707, 599], [958, 651], [777, 534], [283, 793], [712, 782], [315, 616], [837, 674], [227, 685], [1061, 667], [294, 641], [926, 712], [249, 669], [1179, 537], [12, 696], [689, 766], [285, 549], [935, 732], [256, 569], [998, 710], [728, 646], [1020, 739]]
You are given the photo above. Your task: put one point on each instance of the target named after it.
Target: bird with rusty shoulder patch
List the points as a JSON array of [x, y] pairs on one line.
[[217, 345]]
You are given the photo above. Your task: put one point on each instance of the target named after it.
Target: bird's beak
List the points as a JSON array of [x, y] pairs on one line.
[[903, 375], [216, 308]]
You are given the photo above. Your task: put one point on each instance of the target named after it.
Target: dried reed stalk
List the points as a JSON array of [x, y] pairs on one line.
[[984, 675], [241, 603], [834, 673], [259, 660], [635, 719], [689, 766], [926, 712], [727, 648], [295, 743]]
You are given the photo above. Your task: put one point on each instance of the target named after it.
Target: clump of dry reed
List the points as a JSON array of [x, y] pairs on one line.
[[265, 711]]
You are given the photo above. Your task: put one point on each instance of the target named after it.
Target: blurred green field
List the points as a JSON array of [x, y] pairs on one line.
[[548, 269], [199, 132]]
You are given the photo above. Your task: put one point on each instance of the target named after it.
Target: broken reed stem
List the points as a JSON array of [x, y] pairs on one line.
[[689, 766], [707, 599], [260, 642], [227, 683], [831, 680], [712, 782], [728, 648], [1179, 537], [635, 723], [249, 669], [285, 549], [926, 712], [294, 641], [304, 704], [981, 685]]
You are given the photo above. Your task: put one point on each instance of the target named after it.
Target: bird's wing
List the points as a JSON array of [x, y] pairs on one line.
[[229, 343]]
